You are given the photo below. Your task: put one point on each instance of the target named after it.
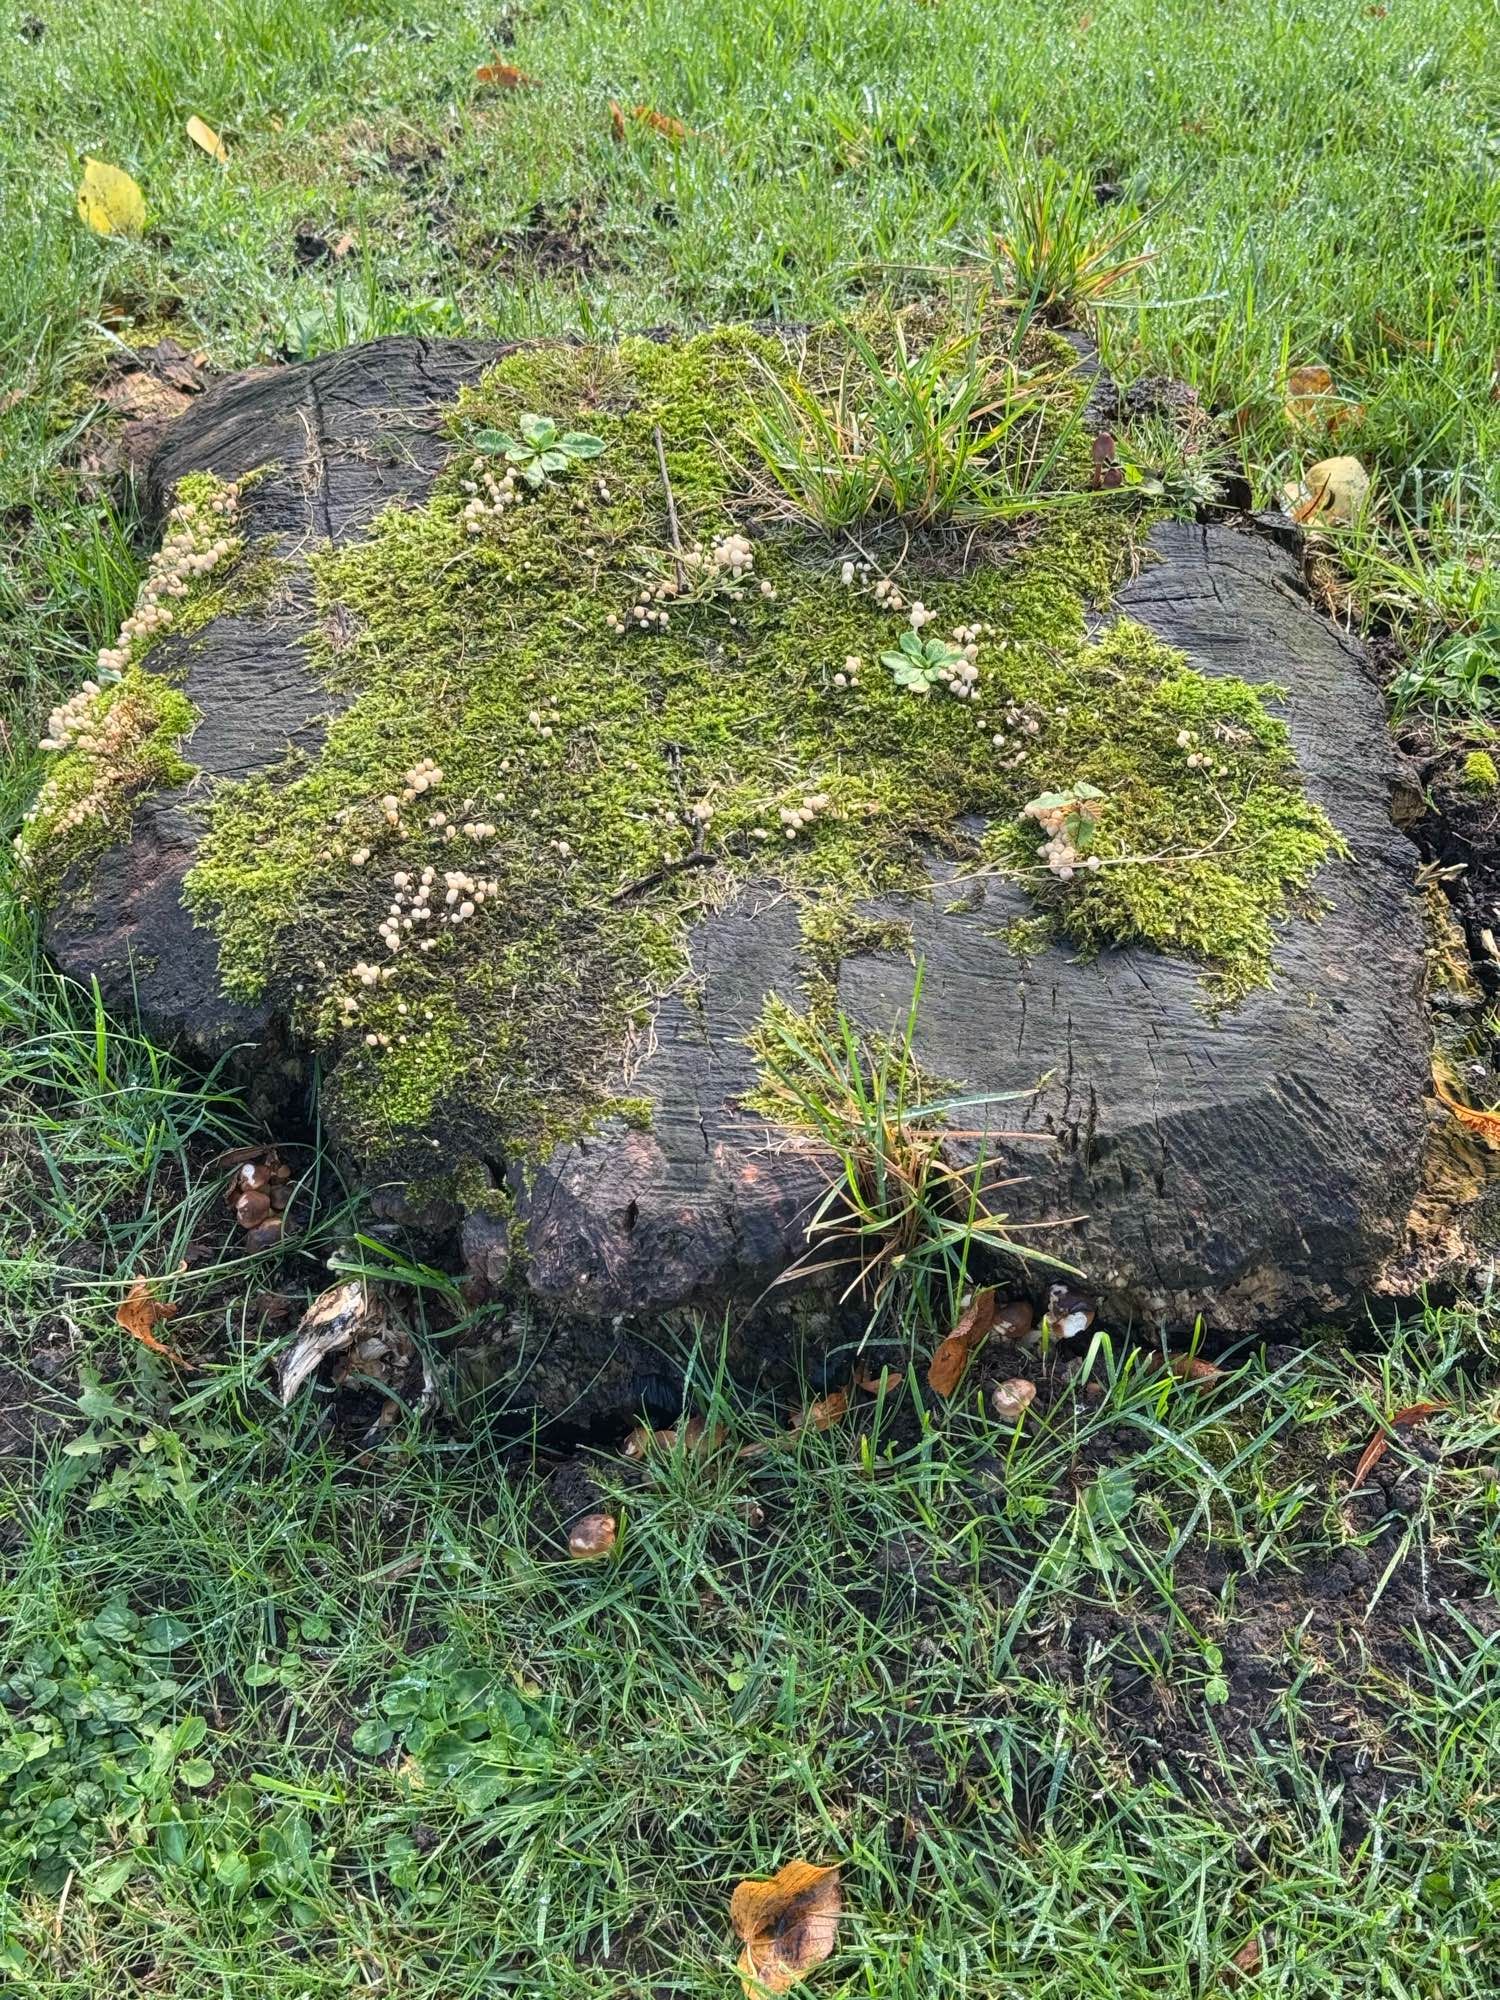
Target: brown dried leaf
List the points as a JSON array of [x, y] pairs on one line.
[[1415, 1413], [887, 1380], [140, 1313], [1306, 391], [1192, 1368], [593, 1536], [789, 1924], [824, 1413], [642, 114], [1371, 1456], [1247, 1959], [505, 76], [946, 1369]]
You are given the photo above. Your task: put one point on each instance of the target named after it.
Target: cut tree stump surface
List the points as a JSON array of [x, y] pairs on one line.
[[1255, 1166]]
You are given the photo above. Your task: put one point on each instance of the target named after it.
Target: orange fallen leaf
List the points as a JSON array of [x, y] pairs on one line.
[[505, 76], [1485, 1123], [872, 1384], [1192, 1368], [206, 137], [1306, 389], [824, 1413], [946, 1368], [642, 114], [140, 1313], [593, 1536], [789, 1924]]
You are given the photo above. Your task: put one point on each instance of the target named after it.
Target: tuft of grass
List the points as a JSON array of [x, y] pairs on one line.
[[900, 1211], [1052, 246], [943, 431]]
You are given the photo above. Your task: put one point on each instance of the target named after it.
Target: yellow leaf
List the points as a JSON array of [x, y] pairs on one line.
[[109, 200], [206, 137], [789, 1925]]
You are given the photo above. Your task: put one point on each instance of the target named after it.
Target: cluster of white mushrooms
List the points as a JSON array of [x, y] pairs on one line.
[[1063, 817]]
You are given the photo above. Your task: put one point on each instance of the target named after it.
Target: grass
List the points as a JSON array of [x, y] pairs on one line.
[[1082, 1708]]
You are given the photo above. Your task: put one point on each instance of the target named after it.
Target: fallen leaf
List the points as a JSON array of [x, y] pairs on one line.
[[1306, 390], [505, 76], [887, 1382], [946, 1369], [1192, 1368], [109, 201], [1246, 1960], [1485, 1123], [1403, 1419], [593, 1536], [789, 1924], [206, 137], [824, 1413], [642, 114], [1371, 1456], [1330, 494], [140, 1313], [695, 1436], [1011, 1400]]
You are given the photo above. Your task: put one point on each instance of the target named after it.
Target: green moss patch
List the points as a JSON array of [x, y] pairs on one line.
[[617, 760]]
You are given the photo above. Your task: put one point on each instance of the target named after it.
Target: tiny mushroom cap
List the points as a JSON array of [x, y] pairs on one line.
[[1069, 1313], [1010, 1400]]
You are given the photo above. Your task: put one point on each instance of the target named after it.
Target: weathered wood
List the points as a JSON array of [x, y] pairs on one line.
[[1253, 1167]]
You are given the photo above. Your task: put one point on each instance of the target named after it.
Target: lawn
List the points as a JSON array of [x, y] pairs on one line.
[[1168, 1688]]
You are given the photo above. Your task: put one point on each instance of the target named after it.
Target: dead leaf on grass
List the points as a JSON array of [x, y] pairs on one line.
[[593, 1536], [1247, 1959], [1193, 1368], [887, 1382], [1404, 1419], [1311, 399], [140, 1313], [695, 1436], [206, 137], [505, 76], [642, 114], [109, 201], [823, 1414], [789, 1924], [946, 1369]]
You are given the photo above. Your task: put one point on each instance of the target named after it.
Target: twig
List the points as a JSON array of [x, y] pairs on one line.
[[699, 858], [661, 459]]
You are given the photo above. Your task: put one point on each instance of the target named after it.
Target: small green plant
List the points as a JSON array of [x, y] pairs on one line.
[[1480, 772], [540, 449], [1070, 821], [899, 1208], [942, 432], [91, 1740], [470, 1731], [1048, 249], [924, 664]]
